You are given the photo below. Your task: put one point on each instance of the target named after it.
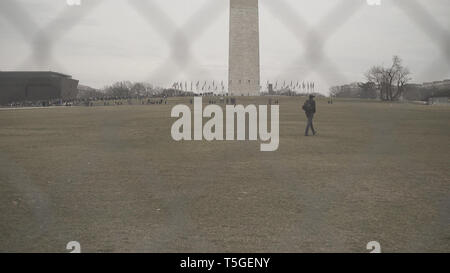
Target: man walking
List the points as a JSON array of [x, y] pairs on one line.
[[310, 109]]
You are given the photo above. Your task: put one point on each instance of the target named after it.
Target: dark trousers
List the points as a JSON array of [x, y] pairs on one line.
[[310, 124]]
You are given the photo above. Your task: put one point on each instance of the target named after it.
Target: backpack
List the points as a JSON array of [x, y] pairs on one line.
[[308, 107]]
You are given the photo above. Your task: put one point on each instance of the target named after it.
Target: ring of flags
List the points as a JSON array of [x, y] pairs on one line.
[[213, 86]]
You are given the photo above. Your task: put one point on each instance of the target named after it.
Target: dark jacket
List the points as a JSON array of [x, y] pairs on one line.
[[309, 107]]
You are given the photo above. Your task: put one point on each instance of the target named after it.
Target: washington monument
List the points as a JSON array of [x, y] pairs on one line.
[[244, 71]]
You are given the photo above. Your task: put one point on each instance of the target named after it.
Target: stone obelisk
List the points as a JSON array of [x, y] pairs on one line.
[[244, 66]]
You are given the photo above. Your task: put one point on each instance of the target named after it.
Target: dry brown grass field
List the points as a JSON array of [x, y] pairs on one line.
[[113, 179]]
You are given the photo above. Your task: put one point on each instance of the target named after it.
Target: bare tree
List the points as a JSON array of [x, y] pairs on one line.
[[129, 89], [389, 81], [402, 78], [334, 91], [138, 89], [377, 75], [119, 89]]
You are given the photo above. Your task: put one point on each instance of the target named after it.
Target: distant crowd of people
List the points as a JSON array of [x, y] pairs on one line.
[[40, 103], [100, 101], [111, 101], [221, 100]]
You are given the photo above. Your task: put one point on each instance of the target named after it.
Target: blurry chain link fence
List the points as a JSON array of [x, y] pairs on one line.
[[179, 39], [43, 39]]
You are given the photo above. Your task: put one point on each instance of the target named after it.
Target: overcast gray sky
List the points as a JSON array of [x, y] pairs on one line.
[[187, 40]]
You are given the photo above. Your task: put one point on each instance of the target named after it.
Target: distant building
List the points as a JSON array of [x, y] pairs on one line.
[[17, 86], [427, 90], [445, 84], [438, 100]]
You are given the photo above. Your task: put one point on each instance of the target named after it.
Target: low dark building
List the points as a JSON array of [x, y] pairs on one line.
[[18, 86], [439, 100]]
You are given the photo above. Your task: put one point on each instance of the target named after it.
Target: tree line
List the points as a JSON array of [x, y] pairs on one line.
[[122, 89]]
